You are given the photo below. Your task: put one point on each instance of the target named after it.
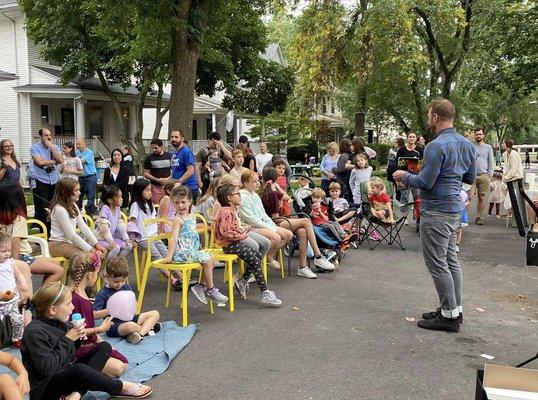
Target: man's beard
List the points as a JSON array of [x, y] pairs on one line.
[[175, 144]]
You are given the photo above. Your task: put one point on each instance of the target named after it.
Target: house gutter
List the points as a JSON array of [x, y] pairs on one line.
[[76, 116]]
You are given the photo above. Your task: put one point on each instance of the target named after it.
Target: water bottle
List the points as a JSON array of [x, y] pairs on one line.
[[76, 320]]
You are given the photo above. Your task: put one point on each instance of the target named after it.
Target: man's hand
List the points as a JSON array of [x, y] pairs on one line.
[[398, 175]]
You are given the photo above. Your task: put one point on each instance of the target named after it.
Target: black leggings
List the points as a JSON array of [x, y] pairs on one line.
[[497, 208], [84, 375], [252, 258]]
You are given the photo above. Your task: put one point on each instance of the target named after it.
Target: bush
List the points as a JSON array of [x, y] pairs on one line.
[[298, 151], [382, 150]]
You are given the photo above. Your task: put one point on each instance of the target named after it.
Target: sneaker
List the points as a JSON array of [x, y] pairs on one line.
[[134, 338], [251, 279], [306, 272], [478, 221], [350, 238], [375, 236], [323, 264], [437, 313], [216, 296], [489, 215], [157, 327], [498, 216], [274, 264], [176, 284], [241, 285], [457, 248], [269, 298], [440, 323], [200, 293]]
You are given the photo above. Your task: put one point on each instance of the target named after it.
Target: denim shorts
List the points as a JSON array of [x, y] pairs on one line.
[[27, 259]]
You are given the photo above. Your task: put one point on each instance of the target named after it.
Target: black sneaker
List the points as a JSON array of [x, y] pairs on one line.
[[440, 323], [157, 327], [436, 313]]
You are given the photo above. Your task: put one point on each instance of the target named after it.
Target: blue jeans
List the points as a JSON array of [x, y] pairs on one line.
[[88, 187]]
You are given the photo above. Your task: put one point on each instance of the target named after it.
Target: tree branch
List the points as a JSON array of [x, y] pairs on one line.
[[433, 40]]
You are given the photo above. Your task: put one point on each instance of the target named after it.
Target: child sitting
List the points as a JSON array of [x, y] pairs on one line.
[[280, 167], [185, 247], [229, 234], [342, 211], [84, 272], [167, 209], [110, 230], [48, 347], [380, 201], [13, 389], [116, 274], [13, 290], [320, 217]]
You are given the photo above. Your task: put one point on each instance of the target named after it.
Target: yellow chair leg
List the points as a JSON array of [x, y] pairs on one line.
[[168, 289], [281, 261], [264, 269], [231, 299], [137, 267], [184, 297], [142, 291], [210, 305]]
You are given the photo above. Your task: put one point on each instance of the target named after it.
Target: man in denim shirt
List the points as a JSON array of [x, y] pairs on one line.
[[449, 160], [47, 159], [88, 180]]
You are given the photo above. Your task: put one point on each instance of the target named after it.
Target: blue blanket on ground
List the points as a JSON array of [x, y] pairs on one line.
[[150, 357]]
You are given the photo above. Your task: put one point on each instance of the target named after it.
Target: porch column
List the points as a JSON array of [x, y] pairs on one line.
[[213, 122], [80, 116], [239, 127], [133, 121]]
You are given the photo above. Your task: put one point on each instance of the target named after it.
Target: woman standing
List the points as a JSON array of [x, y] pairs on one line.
[[328, 163], [117, 174], [513, 176], [72, 166], [127, 159], [411, 154], [10, 167], [343, 168]]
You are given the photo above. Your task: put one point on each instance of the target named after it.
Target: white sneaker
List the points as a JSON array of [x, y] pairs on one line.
[[274, 264], [497, 216], [306, 272], [199, 292], [323, 264], [269, 299], [489, 216], [406, 223]]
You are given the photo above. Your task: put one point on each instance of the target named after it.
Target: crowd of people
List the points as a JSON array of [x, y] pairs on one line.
[[247, 200]]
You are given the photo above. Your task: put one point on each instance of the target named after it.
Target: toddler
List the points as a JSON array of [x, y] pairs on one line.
[[360, 174], [341, 208], [381, 205], [116, 274], [13, 290], [215, 165], [497, 191]]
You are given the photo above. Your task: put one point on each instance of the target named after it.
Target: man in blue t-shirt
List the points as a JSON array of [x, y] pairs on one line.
[[183, 163], [88, 180]]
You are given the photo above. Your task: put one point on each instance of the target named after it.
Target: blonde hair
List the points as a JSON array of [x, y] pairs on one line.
[[247, 176], [333, 145], [237, 152], [211, 190], [228, 179], [47, 296], [335, 185], [360, 156], [318, 193], [80, 265], [377, 183], [169, 185]]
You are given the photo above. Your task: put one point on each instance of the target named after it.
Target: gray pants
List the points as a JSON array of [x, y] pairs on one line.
[[257, 242], [438, 236]]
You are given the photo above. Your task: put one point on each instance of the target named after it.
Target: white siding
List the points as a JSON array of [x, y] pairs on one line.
[[34, 57], [38, 77]]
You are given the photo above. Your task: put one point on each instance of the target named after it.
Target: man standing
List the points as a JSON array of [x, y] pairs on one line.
[[213, 142], [88, 180], [47, 159], [448, 160], [157, 169], [484, 171], [182, 164], [263, 157]]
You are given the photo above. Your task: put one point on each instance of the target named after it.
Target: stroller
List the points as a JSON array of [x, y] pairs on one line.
[[329, 245]]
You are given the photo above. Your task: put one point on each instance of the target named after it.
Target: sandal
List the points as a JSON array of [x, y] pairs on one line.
[[132, 394]]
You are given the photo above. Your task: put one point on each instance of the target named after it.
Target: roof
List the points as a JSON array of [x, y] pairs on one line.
[[273, 52], [7, 76]]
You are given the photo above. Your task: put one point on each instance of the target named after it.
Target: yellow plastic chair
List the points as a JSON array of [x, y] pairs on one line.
[[219, 255], [43, 234], [89, 221]]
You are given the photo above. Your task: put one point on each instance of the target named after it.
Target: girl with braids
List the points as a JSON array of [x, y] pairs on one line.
[[83, 272], [110, 229], [48, 348]]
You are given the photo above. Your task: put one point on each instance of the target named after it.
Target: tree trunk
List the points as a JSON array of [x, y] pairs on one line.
[[141, 150], [360, 116], [116, 104], [159, 112]]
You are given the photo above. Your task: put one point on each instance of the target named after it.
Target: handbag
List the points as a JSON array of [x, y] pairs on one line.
[[480, 393], [6, 331]]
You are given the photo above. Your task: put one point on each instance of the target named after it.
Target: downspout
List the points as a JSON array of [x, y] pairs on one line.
[[75, 115]]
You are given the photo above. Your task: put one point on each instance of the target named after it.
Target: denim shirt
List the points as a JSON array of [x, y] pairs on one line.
[[39, 149], [88, 166], [449, 160]]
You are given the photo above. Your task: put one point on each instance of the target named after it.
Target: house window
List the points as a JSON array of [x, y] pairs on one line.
[[194, 129], [68, 121], [44, 113]]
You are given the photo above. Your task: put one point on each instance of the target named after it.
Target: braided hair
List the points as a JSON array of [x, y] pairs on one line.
[[80, 265]]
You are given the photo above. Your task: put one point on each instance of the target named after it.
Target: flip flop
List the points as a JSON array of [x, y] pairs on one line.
[[131, 394]]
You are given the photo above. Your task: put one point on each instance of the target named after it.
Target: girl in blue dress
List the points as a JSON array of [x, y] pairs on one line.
[[185, 246]]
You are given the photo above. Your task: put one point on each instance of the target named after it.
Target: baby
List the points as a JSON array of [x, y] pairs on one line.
[[215, 164], [381, 205]]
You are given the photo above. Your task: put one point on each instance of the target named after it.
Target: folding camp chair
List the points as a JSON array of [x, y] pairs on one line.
[[389, 233]]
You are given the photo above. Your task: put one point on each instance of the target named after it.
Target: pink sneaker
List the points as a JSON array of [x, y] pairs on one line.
[[375, 236]]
